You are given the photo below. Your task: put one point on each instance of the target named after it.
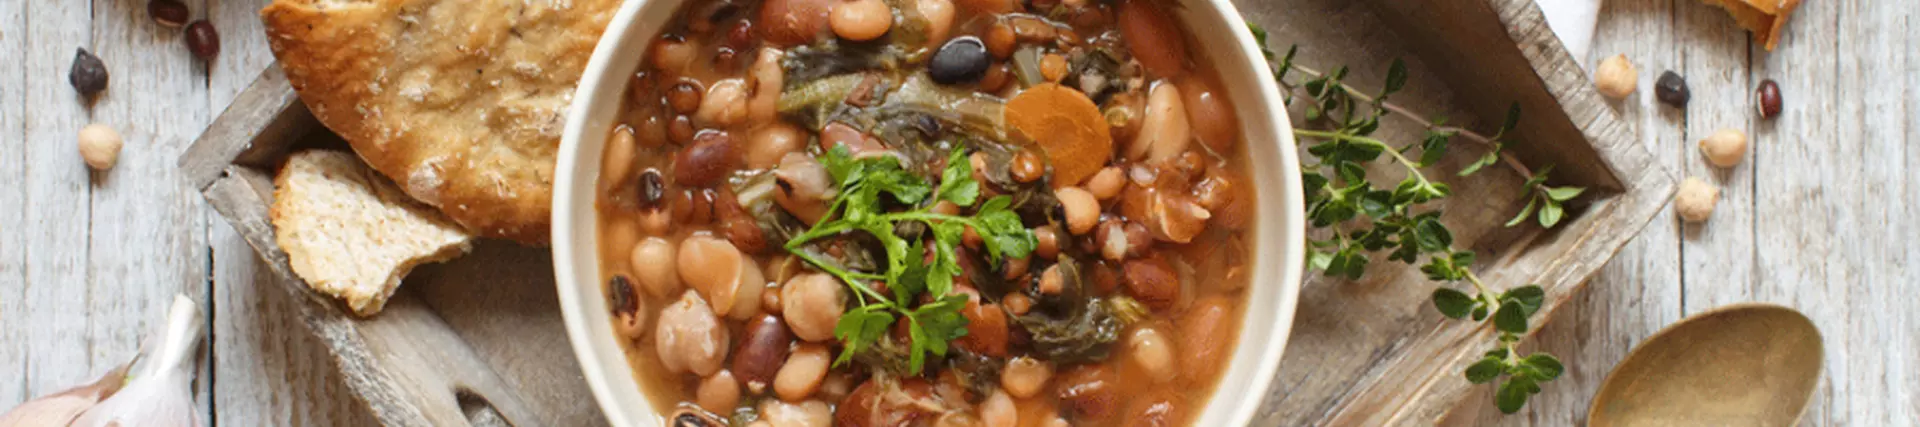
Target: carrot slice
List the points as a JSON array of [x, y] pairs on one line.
[[1066, 126]]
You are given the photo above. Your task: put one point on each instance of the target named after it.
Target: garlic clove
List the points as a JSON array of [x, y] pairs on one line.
[[159, 393], [62, 408]]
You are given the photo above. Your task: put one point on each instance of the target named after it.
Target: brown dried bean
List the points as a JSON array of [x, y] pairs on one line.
[[169, 13], [203, 40], [1152, 282], [681, 130], [1048, 241], [684, 96], [707, 162], [761, 350], [1089, 391]]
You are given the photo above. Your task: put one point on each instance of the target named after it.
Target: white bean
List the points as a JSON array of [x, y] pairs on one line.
[[718, 393], [1152, 353], [653, 263], [1025, 376], [768, 79], [802, 374], [812, 304], [812, 413], [1165, 132], [999, 411], [690, 338], [773, 141], [710, 265], [725, 103]]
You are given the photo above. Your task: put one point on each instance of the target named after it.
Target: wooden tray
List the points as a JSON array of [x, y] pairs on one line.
[[479, 341]]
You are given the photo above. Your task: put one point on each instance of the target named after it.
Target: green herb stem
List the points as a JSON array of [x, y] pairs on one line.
[[1413, 168], [1403, 112]]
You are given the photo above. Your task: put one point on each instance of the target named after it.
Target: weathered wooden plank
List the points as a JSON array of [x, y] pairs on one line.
[[1868, 159], [1636, 293], [270, 370], [1801, 162], [53, 293], [14, 342], [1718, 254]]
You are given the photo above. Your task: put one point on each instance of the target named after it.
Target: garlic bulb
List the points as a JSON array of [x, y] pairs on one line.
[[160, 392], [61, 408]]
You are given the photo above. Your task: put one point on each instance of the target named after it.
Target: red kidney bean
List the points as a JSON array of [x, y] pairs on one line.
[[1089, 392], [712, 156], [761, 351]]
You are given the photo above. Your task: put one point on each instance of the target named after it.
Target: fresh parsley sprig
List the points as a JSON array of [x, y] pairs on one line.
[[866, 187], [1339, 122]]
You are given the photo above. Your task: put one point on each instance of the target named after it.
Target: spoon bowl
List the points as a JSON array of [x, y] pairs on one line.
[[1744, 364]]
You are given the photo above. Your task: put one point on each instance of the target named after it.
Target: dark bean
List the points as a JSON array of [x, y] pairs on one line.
[[1089, 392], [726, 60], [641, 86], [707, 161], [1672, 89], [652, 189], [1767, 99], [684, 96], [741, 36], [202, 40], [681, 129], [168, 13], [620, 294], [761, 351], [88, 74], [1152, 282], [961, 60]]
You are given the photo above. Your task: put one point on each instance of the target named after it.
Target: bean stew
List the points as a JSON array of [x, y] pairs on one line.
[[926, 213]]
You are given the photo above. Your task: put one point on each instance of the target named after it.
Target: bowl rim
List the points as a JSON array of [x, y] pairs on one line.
[[569, 183]]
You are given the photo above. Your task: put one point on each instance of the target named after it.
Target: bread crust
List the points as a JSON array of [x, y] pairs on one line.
[[460, 102]]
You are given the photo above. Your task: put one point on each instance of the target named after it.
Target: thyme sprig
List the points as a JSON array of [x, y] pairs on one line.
[[1337, 131]]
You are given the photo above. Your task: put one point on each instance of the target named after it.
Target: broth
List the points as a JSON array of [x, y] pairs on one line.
[[772, 154]]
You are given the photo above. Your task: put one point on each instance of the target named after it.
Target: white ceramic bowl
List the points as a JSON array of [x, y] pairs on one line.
[[1278, 235]]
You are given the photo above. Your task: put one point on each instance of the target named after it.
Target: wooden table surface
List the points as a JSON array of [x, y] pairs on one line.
[[1819, 217]]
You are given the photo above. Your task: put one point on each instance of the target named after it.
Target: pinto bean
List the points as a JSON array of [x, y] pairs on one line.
[[1212, 117], [1153, 37], [986, 329], [1089, 392], [689, 337], [812, 304], [803, 372], [871, 405], [761, 351], [1159, 408], [794, 22], [711, 266], [1206, 336], [1152, 282], [616, 164]]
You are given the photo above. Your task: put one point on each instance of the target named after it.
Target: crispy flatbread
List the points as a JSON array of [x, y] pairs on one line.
[[461, 102]]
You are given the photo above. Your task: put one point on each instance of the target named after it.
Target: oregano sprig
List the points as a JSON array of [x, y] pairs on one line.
[[1339, 123]]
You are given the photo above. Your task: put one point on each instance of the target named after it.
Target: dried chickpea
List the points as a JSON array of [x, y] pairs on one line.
[[1695, 200], [1616, 77], [1725, 147], [99, 146]]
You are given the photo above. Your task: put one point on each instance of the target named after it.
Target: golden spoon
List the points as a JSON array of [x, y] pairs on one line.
[[1743, 364]]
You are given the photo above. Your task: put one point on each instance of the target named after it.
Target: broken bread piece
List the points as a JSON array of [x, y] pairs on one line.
[[1762, 17], [352, 234]]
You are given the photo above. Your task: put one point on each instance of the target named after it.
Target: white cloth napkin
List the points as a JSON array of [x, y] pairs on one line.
[[1573, 21]]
